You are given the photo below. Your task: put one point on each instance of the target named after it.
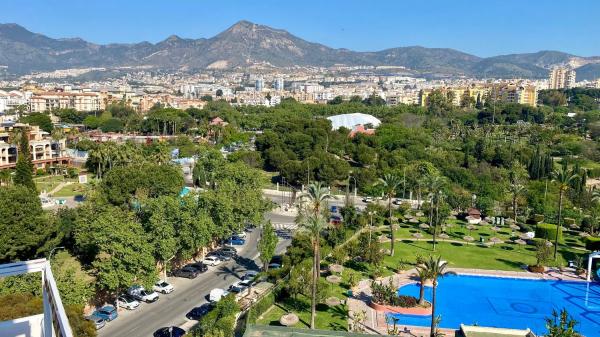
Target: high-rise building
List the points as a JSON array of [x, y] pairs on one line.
[[561, 78], [279, 84], [259, 84]]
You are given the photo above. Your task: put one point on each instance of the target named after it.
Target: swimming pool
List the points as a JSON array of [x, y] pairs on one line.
[[508, 303]]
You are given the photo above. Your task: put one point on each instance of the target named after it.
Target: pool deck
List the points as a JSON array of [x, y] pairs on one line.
[[375, 322]]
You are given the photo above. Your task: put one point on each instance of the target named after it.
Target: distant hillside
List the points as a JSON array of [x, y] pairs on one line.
[[246, 44]]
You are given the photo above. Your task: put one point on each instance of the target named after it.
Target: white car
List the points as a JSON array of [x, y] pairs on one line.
[[217, 294], [128, 302], [141, 294], [211, 261], [163, 287]]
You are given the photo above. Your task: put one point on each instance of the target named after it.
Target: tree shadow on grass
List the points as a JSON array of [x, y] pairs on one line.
[[513, 264], [456, 244], [339, 311]]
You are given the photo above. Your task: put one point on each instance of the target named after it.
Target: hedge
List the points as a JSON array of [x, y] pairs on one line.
[[592, 243], [547, 231], [264, 304]]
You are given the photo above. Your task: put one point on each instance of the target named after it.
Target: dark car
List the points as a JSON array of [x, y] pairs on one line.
[[187, 272], [197, 312], [169, 331], [199, 266], [234, 240]]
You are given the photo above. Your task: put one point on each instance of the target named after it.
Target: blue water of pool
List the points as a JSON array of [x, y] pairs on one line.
[[507, 303]]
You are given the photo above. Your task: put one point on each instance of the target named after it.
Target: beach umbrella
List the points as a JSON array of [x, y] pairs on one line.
[[573, 226], [413, 220], [468, 238], [495, 229], [444, 236], [549, 244], [584, 234], [289, 319], [449, 224], [514, 227], [336, 268], [333, 301], [418, 235], [520, 242], [333, 279], [495, 240], [424, 226]]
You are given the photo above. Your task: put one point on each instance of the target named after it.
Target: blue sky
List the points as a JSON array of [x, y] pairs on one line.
[[480, 27]]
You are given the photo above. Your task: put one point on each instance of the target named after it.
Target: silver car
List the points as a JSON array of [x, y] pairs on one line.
[[99, 322]]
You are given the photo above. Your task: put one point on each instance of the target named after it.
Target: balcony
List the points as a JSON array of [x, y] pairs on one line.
[[53, 322]]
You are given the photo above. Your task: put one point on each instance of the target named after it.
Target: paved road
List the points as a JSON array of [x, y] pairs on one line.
[[171, 309]]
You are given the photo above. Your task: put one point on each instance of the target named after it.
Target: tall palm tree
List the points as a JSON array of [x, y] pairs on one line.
[[564, 177], [515, 189], [316, 197], [435, 184], [423, 275], [390, 184], [435, 268], [313, 221], [314, 224]]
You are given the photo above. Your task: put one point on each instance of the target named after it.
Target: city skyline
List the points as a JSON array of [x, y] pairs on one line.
[[494, 28]]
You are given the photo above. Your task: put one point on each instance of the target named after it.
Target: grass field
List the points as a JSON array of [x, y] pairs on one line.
[[48, 183], [70, 190]]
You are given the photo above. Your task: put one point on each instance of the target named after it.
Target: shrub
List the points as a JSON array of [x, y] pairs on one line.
[[387, 295], [542, 253], [537, 218], [525, 227], [592, 243], [569, 221], [547, 231]]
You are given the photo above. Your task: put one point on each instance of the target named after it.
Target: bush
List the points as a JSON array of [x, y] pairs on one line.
[[548, 232], [592, 243], [537, 218], [569, 221], [525, 227], [387, 295]]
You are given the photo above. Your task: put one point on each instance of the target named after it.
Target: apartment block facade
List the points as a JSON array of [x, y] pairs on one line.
[[561, 78]]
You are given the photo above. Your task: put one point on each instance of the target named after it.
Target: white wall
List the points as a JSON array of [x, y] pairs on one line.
[[31, 326]]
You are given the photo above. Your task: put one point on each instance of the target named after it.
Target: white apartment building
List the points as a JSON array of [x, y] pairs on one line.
[[11, 100], [561, 78], [52, 100]]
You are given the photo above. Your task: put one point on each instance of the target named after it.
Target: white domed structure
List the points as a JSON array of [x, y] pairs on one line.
[[349, 121]]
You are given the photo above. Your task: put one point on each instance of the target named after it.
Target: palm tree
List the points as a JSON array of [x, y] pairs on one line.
[[564, 177], [423, 275], [314, 224], [390, 183], [435, 183], [316, 197], [312, 220], [515, 189], [435, 268]]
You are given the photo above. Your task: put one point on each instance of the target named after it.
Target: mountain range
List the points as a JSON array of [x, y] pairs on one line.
[[247, 44]]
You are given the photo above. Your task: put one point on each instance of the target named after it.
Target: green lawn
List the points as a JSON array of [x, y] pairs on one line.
[[328, 318], [48, 183], [70, 190]]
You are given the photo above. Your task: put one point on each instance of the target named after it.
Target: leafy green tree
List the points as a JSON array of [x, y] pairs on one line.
[[118, 247], [40, 119], [76, 287], [24, 168], [159, 224], [24, 228], [267, 244]]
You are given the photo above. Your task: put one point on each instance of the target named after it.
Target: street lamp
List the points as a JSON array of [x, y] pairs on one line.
[[52, 252]]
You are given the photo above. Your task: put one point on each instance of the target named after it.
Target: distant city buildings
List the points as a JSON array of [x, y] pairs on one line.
[[279, 84], [48, 101], [478, 93], [259, 84], [561, 78]]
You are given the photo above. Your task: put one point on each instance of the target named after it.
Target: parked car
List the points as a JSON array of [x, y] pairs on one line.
[[128, 302], [238, 287], [250, 275], [367, 200], [169, 331], [199, 266], [107, 313], [141, 294], [241, 234], [237, 241], [223, 256], [274, 266], [187, 272], [197, 312], [216, 294], [99, 322], [211, 261], [163, 287], [229, 250]]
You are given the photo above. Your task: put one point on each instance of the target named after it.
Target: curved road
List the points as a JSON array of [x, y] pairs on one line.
[[171, 309]]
